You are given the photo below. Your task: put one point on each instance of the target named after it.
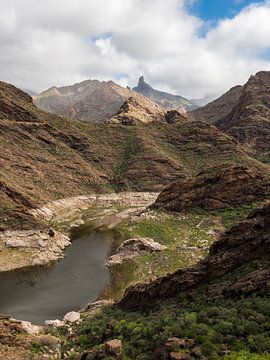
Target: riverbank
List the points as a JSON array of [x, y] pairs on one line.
[[29, 248]]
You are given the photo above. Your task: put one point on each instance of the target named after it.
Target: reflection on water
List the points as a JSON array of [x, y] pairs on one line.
[[39, 295]]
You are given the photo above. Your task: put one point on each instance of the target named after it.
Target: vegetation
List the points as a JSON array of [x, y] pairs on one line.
[[241, 325], [187, 238]]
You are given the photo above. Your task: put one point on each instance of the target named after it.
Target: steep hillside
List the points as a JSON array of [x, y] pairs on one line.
[[163, 99], [46, 157], [90, 100], [217, 188], [217, 309], [220, 107], [249, 120], [245, 242]]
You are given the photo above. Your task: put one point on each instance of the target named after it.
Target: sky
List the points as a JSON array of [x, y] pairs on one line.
[[193, 48]]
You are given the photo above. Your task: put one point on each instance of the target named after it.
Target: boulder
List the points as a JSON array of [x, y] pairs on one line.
[[114, 347], [30, 328], [134, 247], [72, 317], [55, 323]]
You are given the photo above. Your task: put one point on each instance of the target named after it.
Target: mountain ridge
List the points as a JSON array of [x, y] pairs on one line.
[[162, 98]]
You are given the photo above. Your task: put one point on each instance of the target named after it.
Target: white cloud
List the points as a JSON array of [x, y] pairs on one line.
[[50, 42]]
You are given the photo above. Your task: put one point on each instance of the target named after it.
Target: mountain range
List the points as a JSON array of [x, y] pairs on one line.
[[96, 101], [210, 170]]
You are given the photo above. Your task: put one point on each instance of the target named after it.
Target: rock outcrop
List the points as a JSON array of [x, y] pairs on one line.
[[216, 188], [132, 248], [137, 110], [141, 110], [39, 247], [165, 100], [249, 120], [243, 244]]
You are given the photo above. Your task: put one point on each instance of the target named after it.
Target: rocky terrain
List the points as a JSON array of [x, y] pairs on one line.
[[243, 112], [54, 169], [140, 110], [90, 100], [137, 109], [249, 120], [246, 241], [45, 157], [217, 188], [217, 109], [163, 99]]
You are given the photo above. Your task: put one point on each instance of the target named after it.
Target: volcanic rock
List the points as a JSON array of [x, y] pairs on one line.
[[216, 188], [136, 110], [245, 243], [165, 100], [249, 120], [132, 248]]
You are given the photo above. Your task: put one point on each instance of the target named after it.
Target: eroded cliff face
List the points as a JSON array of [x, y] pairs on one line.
[[249, 120], [245, 242], [217, 188]]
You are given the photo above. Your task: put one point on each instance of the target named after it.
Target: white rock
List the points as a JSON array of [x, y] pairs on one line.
[[72, 317], [132, 248], [30, 328], [55, 323]]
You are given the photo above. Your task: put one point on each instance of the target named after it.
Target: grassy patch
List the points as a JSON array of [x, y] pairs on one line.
[[187, 238]]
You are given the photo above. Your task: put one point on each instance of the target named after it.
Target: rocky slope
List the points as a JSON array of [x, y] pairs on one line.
[[163, 99], [249, 120], [90, 100], [141, 110], [217, 109], [245, 242], [217, 188], [45, 157], [137, 109]]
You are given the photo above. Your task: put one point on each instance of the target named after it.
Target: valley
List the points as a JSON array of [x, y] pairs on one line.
[[150, 224]]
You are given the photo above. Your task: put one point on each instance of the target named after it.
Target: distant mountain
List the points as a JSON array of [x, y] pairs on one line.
[[90, 100], [163, 99], [217, 109]]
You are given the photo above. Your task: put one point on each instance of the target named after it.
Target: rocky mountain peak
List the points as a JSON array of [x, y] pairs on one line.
[[163, 99]]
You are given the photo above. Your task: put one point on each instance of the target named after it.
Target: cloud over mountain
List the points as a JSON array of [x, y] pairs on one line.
[[55, 43]]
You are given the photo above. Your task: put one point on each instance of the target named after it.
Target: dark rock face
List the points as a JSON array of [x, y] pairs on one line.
[[249, 120], [174, 116], [163, 99], [245, 242], [216, 188], [219, 108]]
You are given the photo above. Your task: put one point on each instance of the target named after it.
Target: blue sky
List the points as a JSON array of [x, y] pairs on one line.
[[213, 10]]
